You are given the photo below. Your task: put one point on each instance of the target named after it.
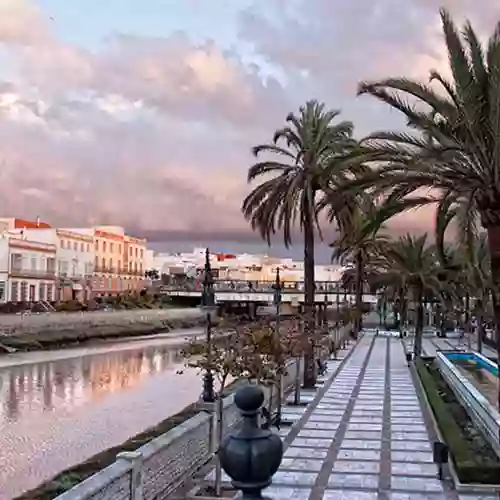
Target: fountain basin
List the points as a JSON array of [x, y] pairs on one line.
[[479, 407]]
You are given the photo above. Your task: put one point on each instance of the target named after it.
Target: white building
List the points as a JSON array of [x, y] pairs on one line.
[[74, 259], [27, 269]]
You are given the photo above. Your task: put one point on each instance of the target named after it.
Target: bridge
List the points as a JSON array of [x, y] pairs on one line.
[[263, 292]]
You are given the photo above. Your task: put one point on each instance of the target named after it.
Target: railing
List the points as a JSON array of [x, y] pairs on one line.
[[33, 273], [117, 271], [255, 287], [482, 413], [158, 468]]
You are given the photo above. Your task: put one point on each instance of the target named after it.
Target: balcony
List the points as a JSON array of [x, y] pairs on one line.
[[41, 274], [106, 269], [126, 272]]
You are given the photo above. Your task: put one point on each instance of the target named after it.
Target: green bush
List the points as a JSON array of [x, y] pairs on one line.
[[470, 466]]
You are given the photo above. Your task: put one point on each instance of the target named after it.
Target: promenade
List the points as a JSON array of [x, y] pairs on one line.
[[365, 435]]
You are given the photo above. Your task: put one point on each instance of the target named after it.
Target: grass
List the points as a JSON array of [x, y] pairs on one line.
[[474, 459]]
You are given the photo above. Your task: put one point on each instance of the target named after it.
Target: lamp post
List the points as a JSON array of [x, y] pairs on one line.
[[208, 305], [277, 303]]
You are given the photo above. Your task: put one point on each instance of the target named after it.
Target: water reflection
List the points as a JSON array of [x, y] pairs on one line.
[[43, 387]]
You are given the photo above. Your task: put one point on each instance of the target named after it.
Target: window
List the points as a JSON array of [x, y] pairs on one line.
[[136, 252], [119, 265], [130, 252], [24, 291], [16, 261], [2, 290], [103, 246], [110, 264], [88, 247], [51, 265], [33, 263], [75, 246], [111, 246], [50, 292], [82, 247], [41, 291], [14, 291], [97, 245], [103, 263], [142, 253], [119, 249], [63, 244], [96, 262]]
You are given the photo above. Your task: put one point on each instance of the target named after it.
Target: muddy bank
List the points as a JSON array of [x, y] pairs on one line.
[[60, 330]]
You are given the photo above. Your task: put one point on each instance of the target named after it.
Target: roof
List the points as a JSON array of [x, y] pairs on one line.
[[28, 224]]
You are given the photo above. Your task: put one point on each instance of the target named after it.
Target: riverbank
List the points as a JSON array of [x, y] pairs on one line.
[[62, 330]]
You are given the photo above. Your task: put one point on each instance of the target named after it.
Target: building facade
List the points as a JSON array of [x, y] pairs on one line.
[[74, 260], [27, 269]]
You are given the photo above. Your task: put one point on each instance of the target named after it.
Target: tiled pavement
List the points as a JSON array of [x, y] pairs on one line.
[[363, 436]]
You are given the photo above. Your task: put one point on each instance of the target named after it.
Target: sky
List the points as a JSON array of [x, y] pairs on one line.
[[144, 113]]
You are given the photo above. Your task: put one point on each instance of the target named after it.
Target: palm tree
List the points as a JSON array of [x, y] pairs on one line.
[[290, 181], [360, 238], [413, 267], [456, 147]]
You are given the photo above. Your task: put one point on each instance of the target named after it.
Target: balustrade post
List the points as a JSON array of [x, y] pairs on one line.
[[136, 460]]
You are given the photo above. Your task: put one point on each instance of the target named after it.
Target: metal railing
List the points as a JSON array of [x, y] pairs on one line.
[[48, 274]]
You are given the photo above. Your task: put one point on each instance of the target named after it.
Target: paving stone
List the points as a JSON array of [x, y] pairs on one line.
[[294, 478], [301, 464], [361, 444], [311, 443], [412, 456], [368, 481], [364, 427], [358, 454], [412, 469], [314, 434], [411, 445], [331, 494], [409, 428], [299, 452], [311, 425], [416, 484], [350, 434], [398, 495], [407, 436], [355, 466]]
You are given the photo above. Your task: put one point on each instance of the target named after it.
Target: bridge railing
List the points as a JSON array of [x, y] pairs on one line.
[[253, 286]]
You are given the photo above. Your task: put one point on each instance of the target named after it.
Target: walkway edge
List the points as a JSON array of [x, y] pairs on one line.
[[459, 486]]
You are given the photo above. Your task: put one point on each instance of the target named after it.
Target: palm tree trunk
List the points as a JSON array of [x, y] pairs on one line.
[[419, 323], [359, 294], [467, 318], [491, 220], [309, 296]]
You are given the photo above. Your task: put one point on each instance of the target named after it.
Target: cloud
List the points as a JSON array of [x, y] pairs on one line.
[[155, 132]]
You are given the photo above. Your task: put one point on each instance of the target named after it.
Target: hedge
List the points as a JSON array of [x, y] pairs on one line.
[[467, 466]]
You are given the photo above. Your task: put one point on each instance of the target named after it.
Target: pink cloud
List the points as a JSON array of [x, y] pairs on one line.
[[155, 132]]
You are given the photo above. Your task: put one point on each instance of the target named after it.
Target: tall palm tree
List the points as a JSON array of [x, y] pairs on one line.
[[456, 145], [290, 179]]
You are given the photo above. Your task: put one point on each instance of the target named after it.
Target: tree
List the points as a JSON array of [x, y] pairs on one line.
[[289, 185], [413, 266], [456, 146], [361, 237], [152, 274]]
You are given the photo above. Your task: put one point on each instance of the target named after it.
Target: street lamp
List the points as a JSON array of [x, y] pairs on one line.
[[208, 305], [277, 298]]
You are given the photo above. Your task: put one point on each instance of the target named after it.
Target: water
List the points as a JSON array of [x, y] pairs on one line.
[[59, 408], [482, 379]]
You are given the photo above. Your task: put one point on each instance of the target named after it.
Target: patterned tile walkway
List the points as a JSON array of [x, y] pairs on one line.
[[364, 437]]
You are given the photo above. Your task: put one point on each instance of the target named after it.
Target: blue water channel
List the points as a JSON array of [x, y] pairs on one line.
[[481, 362]]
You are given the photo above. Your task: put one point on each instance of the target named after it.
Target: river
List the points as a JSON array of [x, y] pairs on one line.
[[57, 408]]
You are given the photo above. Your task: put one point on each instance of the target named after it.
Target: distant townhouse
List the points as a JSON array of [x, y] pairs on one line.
[[27, 269], [74, 260]]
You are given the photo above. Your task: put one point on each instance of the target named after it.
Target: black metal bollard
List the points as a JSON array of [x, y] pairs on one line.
[[251, 455], [440, 455]]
